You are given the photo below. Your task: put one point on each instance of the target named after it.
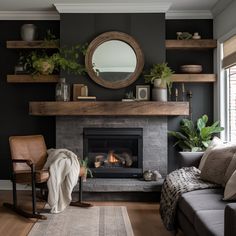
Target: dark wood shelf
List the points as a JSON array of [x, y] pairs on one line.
[[191, 44], [32, 78], [108, 108], [194, 78], [31, 44]]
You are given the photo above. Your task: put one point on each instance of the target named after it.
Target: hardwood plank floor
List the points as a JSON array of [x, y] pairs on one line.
[[144, 217]]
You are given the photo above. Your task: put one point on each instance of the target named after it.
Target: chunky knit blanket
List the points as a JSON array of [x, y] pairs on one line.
[[176, 183]]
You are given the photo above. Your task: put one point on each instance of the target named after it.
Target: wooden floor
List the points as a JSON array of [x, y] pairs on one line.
[[144, 217]]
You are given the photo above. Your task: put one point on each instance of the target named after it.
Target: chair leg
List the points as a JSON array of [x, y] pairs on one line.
[[14, 191], [33, 192], [80, 203], [19, 211]]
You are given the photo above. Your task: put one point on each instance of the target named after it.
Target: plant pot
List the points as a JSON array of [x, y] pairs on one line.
[[157, 83], [44, 66], [159, 94], [187, 159]]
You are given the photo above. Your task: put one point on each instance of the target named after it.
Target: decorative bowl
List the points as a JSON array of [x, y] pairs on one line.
[[191, 69]]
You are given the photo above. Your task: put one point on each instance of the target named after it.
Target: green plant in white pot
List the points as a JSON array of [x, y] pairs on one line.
[[194, 139], [160, 77]]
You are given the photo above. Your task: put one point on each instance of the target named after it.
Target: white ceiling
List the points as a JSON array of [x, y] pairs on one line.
[[45, 9], [47, 5]]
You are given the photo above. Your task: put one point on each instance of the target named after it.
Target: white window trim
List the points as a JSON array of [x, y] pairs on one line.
[[220, 87]]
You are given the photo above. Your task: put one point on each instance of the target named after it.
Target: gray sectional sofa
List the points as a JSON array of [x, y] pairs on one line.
[[204, 213]]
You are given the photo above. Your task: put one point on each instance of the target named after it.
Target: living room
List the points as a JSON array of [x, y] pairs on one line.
[[120, 101]]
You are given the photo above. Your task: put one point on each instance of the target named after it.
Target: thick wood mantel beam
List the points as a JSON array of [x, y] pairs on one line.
[[108, 108]]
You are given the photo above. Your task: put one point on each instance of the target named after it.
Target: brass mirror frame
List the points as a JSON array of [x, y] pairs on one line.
[[114, 35]]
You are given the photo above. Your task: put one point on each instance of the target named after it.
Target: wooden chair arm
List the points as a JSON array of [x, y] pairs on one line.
[[28, 162]]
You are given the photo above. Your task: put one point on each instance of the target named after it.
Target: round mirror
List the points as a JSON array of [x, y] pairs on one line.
[[114, 60]]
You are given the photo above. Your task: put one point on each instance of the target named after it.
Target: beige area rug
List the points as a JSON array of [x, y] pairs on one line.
[[94, 221]]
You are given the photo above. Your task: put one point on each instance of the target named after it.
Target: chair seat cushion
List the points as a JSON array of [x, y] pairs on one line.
[[25, 176]]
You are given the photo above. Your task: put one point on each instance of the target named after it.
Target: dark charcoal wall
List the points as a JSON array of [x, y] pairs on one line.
[[147, 29], [202, 92], [14, 98]]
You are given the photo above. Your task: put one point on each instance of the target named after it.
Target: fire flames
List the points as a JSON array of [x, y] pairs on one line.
[[111, 158]]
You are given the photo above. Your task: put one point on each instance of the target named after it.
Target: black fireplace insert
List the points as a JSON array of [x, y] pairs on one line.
[[114, 152]]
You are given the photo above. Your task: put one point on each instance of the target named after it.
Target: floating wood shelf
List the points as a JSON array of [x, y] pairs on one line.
[[108, 108], [191, 44], [194, 78], [31, 44], [32, 79]]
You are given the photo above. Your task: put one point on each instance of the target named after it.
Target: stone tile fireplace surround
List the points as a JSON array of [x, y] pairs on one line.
[[69, 134]]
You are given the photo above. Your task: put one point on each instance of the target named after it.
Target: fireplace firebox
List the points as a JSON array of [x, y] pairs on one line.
[[114, 152]]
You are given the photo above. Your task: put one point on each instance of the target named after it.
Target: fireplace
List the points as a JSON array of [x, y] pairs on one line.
[[114, 152]]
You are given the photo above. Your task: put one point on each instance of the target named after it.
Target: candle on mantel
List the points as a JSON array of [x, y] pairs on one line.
[[183, 92], [176, 94]]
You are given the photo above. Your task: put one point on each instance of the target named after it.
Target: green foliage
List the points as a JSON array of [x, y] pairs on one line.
[[84, 163], [66, 59], [195, 137], [50, 39], [160, 71]]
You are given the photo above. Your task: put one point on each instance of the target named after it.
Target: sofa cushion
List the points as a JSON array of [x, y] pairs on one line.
[[230, 188], [194, 201], [217, 163], [216, 142], [209, 222]]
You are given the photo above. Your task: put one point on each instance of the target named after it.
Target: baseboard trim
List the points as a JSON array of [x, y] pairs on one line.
[[7, 185]]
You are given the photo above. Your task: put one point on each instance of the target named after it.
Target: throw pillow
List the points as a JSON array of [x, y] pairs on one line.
[[217, 163], [214, 143], [230, 188], [230, 170]]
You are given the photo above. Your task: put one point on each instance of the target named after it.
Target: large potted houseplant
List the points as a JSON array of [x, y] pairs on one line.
[[194, 139], [160, 77]]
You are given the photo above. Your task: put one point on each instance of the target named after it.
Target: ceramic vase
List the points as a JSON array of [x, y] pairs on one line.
[[28, 32]]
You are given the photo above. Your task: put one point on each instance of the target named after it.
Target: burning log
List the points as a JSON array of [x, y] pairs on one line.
[[119, 158], [128, 159], [99, 160]]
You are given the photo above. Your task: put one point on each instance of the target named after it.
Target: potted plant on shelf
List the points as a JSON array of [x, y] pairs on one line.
[[194, 139], [85, 169], [160, 77], [66, 59]]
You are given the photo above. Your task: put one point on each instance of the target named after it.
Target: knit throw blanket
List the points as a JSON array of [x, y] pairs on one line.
[[176, 183]]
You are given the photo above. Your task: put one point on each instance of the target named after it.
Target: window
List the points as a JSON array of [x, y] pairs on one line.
[[230, 103], [228, 89]]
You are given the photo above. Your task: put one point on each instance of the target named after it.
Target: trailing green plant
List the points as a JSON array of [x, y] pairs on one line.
[[66, 59], [163, 72], [50, 39], [195, 137], [84, 164]]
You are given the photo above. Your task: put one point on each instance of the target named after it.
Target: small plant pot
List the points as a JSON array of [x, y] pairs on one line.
[[187, 159], [157, 83], [159, 94]]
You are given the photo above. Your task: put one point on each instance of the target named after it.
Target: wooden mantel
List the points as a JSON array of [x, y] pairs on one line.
[[108, 108]]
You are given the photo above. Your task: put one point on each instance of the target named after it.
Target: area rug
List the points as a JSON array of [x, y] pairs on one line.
[[94, 221]]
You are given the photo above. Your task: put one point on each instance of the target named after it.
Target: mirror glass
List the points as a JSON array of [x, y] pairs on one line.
[[114, 60]]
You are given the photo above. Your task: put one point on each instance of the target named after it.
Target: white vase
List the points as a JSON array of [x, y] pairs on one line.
[[190, 158], [159, 94]]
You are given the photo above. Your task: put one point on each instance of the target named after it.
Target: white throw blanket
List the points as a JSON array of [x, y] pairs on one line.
[[64, 171]]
